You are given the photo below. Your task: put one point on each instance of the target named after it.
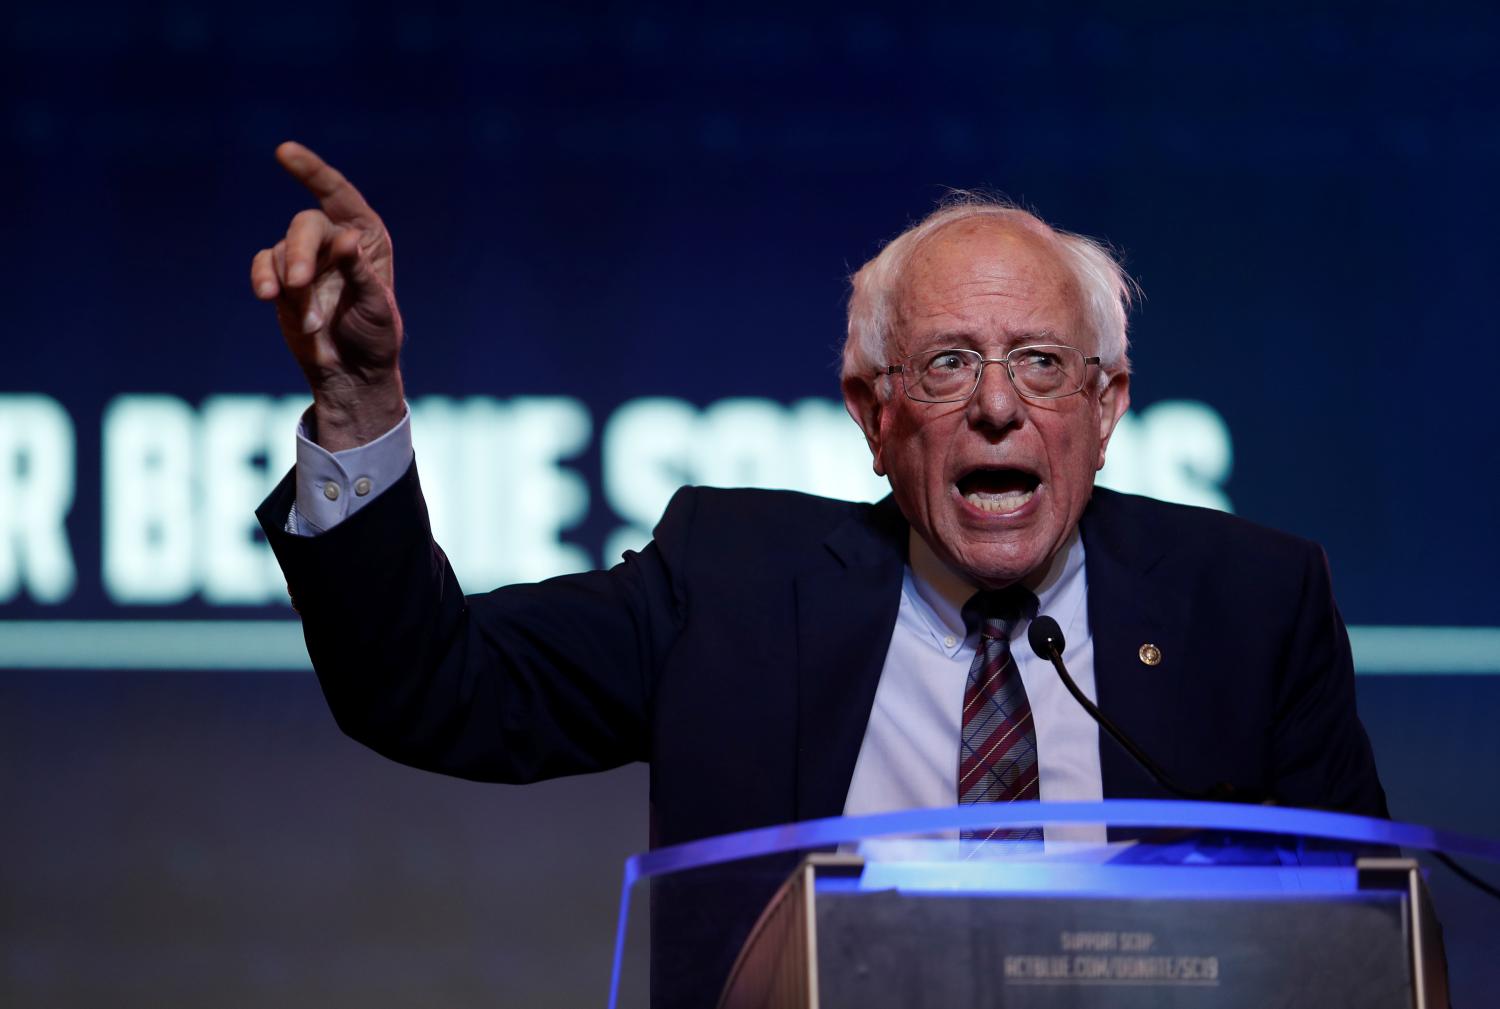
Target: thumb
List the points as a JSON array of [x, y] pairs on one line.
[[371, 296]]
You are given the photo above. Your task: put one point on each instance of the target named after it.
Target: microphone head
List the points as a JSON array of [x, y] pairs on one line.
[[1045, 637]]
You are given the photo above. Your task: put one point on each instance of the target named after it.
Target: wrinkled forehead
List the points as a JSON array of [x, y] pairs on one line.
[[989, 281]]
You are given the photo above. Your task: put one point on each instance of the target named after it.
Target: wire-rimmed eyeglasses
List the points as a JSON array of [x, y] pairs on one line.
[[1039, 371]]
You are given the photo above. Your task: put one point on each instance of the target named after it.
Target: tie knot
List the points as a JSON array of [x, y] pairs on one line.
[[996, 612]]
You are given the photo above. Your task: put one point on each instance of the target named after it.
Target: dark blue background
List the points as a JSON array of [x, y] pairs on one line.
[[624, 201]]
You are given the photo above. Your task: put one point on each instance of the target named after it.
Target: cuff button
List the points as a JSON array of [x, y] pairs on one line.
[[331, 491], [362, 486]]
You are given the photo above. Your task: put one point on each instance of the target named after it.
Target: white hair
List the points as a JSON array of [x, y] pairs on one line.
[[1107, 290]]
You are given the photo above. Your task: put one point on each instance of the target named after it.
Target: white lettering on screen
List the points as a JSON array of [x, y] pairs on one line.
[[37, 479], [180, 484], [1176, 450], [149, 499], [496, 487]]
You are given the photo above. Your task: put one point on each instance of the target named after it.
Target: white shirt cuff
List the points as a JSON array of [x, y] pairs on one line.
[[331, 486]]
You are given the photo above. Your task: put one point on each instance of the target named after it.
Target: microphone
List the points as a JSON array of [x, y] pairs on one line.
[[1047, 641]]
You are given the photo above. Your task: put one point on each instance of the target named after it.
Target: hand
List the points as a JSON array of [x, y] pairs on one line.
[[332, 281]]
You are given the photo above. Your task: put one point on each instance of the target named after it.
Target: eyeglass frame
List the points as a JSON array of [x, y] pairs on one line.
[[900, 369]]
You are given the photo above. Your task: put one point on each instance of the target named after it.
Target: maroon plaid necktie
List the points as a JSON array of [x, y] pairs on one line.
[[997, 759]]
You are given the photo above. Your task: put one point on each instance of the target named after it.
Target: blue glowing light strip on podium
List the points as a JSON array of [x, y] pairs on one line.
[[1114, 812], [833, 831], [1005, 878], [276, 646]]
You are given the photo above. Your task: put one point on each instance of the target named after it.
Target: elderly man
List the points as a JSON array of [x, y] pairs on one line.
[[779, 657]]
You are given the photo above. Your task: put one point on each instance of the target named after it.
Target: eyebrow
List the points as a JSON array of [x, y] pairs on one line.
[[964, 339]]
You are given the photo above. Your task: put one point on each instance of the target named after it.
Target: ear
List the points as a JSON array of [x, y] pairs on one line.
[[1114, 400], [865, 405]]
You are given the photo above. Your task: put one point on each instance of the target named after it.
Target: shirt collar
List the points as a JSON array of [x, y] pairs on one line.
[[945, 591]]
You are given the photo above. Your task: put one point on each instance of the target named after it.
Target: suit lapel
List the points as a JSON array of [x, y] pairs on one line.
[[1128, 610], [846, 613]]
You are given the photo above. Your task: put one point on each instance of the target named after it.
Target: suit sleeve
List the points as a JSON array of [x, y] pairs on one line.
[[1321, 755], [523, 683]]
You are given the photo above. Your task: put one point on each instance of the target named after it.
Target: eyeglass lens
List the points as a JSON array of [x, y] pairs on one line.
[[1043, 372]]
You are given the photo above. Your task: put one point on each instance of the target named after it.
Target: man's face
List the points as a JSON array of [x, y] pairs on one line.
[[996, 484]]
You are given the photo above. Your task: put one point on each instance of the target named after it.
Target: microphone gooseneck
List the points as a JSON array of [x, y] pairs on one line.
[[1047, 641]]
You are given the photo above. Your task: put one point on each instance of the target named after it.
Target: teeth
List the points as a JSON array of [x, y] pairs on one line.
[[1007, 501]]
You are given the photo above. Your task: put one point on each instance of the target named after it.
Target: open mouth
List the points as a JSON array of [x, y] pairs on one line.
[[998, 490]]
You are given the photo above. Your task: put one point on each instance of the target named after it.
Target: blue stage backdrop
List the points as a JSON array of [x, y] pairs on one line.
[[622, 243]]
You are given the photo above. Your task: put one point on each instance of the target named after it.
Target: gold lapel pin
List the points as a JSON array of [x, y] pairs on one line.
[[1150, 654]]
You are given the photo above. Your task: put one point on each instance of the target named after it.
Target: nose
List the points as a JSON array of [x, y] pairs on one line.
[[995, 404]]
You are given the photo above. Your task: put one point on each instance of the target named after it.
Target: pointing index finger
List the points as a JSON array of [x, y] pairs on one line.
[[336, 195]]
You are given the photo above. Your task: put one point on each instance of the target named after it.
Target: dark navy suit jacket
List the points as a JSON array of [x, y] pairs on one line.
[[739, 653]]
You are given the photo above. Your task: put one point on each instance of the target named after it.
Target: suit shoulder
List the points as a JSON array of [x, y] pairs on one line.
[[769, 511], [752, 525], [1205, 529]]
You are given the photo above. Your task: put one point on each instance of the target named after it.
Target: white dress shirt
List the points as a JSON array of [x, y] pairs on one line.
[[331, 486], [909, 757]]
